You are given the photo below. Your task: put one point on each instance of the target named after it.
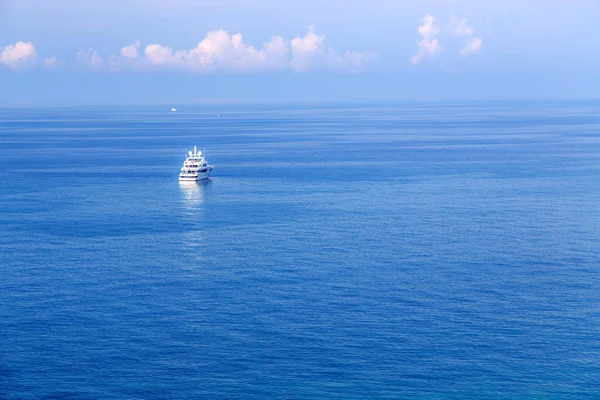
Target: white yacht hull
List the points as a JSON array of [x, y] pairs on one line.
[[198, 177]]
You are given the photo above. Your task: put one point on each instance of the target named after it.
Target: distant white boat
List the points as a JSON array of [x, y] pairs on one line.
[[173, 109], [195, 167]]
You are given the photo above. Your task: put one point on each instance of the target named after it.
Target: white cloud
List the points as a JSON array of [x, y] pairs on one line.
[[131, 51], [90, 58], [306, 50], [224, 52], [356, 60], [472, 44], [309, 52], [50, 62], [18, 55], [219, 50], [429, 45], [462, 29], [277, 50], [129, 57]]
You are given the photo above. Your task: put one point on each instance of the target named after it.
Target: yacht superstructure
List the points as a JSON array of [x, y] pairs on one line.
[[195, 167]]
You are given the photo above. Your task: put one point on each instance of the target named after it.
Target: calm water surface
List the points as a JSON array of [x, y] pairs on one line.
[[339, 252]]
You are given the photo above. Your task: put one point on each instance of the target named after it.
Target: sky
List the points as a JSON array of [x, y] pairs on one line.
[[185, 51]]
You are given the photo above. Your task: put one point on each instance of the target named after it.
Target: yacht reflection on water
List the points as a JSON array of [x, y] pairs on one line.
[[193, 192], [193, 235]]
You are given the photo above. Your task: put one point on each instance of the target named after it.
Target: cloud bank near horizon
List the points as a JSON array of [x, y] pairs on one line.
[[221, 51]]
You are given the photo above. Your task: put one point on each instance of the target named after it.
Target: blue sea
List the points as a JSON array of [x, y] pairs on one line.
[[339, 251]]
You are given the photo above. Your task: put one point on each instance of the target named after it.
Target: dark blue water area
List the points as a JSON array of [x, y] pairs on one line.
[[339, 251]]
